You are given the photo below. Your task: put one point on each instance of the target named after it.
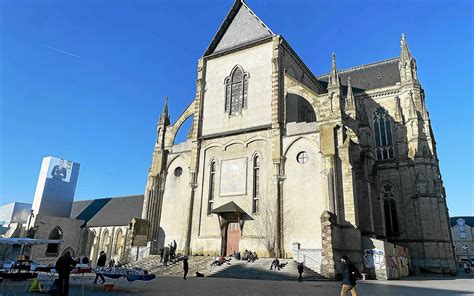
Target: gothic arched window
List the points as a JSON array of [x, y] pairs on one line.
[[256, 184], [383, 135], [390, 209], [212, 185], [236, 89]]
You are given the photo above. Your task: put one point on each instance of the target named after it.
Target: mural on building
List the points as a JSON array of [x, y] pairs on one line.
[[385, 260]]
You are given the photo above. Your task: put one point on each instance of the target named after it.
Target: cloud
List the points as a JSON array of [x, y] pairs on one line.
[[61, 51]]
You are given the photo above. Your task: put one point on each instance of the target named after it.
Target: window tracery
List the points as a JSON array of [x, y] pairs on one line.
[[383, 135], [236, 91], [390, 209]]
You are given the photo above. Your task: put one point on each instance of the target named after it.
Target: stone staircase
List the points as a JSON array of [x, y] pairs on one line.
[[260, 269], [196, 264]]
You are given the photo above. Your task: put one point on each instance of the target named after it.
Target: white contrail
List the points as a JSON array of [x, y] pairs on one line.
[[62, 51]]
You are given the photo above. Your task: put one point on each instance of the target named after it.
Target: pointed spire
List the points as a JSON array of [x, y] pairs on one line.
[[350, 100], [164, 118], [412, 114], [334, 77], [405, 54]]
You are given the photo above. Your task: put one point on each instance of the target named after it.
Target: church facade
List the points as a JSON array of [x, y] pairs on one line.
[[279, 160]]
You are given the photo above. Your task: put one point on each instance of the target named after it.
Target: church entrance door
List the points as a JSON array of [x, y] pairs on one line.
[[233, 237]]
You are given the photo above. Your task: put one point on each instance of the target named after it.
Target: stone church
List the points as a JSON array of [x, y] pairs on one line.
[[279, 160]]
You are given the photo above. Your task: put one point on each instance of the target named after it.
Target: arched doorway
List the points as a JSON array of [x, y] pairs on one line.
[[53, 249]]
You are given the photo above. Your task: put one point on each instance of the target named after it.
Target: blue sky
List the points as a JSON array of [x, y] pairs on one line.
[[86, 80]]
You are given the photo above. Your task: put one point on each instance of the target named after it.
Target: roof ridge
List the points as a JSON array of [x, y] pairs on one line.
[[113, 197], [360, 66]]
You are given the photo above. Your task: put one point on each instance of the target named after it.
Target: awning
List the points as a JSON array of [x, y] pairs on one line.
[[28, 241], [229, 212], [229, 207]]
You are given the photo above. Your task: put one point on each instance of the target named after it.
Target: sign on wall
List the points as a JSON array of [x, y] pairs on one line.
[[59, 169], [233, 177]]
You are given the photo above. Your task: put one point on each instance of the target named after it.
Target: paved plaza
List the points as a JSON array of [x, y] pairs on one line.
[[170, 286]]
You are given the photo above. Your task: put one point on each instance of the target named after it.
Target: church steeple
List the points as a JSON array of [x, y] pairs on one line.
[[164, 118], [407, 64], [334, 77]]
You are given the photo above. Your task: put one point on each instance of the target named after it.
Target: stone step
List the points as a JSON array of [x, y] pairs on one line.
[[260, 269]]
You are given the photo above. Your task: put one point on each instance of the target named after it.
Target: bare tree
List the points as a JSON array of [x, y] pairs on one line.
[[265, 224]]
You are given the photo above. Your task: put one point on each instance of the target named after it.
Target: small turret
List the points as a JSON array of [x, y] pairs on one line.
[[350, 105]]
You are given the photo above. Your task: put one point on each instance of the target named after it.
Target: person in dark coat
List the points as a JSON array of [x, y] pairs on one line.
[[300, 268], [161, 254], [63, 267], [166, 253], [100, 263], [349, 277], [174, 246], [85, 260], [185, 267]]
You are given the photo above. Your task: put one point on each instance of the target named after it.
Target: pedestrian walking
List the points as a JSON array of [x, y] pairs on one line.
[[63, 267], [300, 268], [161, 254], [349, 277], [185, 267], [100, 263]]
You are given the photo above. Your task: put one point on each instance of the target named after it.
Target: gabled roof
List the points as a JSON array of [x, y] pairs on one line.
[[241, 26], [369, 76], [229, 207], [108, 211], [468, 219]]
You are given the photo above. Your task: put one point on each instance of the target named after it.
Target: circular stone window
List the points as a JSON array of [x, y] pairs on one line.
[[302, 157], [178, 171]]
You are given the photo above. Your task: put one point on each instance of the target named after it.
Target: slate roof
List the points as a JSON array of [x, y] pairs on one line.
[[369, 76], [240, 26], [469, 220], [108, 211]]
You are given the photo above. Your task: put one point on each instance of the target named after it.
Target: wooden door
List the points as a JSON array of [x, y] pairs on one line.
[[233, 237]]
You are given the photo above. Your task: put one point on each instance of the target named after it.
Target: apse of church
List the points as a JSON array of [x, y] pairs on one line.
[[280, 161]]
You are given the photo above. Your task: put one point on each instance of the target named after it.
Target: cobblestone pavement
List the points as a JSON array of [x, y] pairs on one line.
[[170, 286]]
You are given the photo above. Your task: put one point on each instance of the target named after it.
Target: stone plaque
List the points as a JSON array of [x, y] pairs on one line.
[[233, 177]]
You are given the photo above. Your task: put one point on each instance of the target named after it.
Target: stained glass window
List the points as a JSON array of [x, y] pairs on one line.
[[236, 89]]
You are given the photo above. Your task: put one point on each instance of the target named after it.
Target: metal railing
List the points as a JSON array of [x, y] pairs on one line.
[[304, 256]]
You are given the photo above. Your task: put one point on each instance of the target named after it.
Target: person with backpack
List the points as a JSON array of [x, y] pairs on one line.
[[349, 277]]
